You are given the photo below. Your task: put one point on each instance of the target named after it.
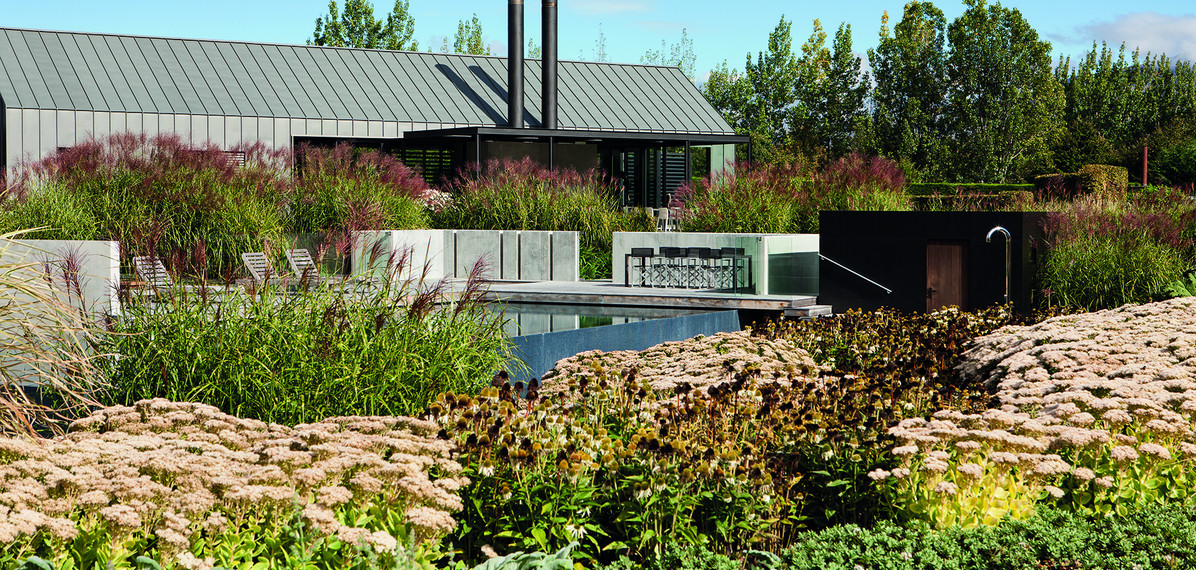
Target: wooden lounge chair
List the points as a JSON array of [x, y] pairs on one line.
[[305, 268], [149, 269], [260, 270]]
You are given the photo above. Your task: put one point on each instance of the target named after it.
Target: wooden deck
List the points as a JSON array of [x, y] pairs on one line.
[[607, 293]]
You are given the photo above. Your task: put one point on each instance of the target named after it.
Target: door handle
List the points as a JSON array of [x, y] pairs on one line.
[[930, 291]]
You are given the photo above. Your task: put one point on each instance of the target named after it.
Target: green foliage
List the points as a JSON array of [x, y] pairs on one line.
[[929, 189], [830, 89], [595, 262], [1004, 104], [1154, 538], [300, 357], [191, 206], [1103, 179], [344, 189], [1183, 287], [1104, 254], [680, 55], [63, 215], [358, 28], [1175, 165], [559, 560], [468, 38], [678, 557], [784, 199], [910, 92]]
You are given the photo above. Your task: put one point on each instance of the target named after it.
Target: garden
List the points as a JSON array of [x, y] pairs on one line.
[[299, 429]]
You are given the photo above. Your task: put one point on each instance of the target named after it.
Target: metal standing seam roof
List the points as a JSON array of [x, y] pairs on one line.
[[104, 72]]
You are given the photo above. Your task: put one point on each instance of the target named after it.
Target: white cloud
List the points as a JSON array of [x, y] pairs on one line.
[[610, 7], [1147, 31]]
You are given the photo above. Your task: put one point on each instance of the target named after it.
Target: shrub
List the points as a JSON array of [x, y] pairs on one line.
[[948, 188], [183, 485], [1095, 416], [316, 353], [761, 198], [1152, 538], [348, 189], [1103, 179]]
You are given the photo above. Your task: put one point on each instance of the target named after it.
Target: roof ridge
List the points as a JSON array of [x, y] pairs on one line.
[[304, 45]]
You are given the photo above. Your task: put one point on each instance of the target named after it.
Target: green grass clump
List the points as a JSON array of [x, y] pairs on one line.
[[1105, 253], [303, 356], [787, 198]]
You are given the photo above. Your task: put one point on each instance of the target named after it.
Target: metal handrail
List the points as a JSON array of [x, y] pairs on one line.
[[856, 273]]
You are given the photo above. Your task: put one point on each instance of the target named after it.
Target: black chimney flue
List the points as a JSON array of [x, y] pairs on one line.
[[549, 91], [515, 64]]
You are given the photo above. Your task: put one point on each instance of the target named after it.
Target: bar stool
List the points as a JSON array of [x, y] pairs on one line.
[[670, 266], [642, 258]]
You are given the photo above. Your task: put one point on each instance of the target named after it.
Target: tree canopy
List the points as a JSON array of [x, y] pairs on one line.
[[357, 27]]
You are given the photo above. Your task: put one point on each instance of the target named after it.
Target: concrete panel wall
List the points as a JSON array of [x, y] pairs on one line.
[[98, 269], [508, 255]]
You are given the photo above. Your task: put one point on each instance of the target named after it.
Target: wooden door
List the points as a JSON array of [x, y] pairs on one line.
[[946, 274]]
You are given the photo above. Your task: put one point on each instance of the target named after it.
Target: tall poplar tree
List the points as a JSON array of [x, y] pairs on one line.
[[910, 90], [1004, 103]]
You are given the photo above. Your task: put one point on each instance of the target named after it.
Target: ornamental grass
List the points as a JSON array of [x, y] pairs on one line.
[[186, 486]]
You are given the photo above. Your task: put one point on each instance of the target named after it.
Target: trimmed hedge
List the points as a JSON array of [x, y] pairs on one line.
[[1015, 200], [1091, 179], [947, 188], [1103, 178]]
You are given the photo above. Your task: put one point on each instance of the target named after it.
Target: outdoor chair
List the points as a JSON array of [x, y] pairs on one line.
[[149, 269], [640, 259], [668, 268], [305, 268], [260, 270]]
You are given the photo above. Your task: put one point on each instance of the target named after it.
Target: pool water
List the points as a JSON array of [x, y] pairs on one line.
[[538, 318]]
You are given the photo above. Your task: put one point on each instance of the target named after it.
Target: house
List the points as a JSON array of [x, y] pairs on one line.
[[436, 111]]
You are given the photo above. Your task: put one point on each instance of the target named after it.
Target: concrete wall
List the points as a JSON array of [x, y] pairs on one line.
[[782, 264], [96, 265], [510, 255], [540, 352]]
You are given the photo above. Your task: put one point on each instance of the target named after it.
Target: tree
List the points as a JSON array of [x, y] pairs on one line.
[[773, 80], [910, 91], [533, 50], [469, 38], [358, 28], [600, 46], [680, 54], [831, 89], [1004, 104]]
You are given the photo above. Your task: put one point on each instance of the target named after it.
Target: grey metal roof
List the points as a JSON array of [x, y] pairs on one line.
[[101, 72]]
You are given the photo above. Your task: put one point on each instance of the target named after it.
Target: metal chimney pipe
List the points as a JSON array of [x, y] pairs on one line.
[[548, 104], [515, 64]]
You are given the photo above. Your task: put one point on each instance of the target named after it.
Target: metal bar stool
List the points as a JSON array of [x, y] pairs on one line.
[[735, 259], [642, 256], [670, 266]]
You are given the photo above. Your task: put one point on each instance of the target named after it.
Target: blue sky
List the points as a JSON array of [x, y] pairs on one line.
[[720, 30]]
